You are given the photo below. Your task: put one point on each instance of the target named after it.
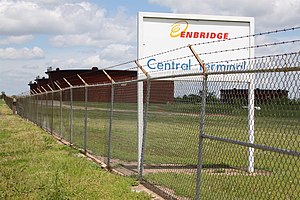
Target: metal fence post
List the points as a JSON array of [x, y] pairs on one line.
[[112, 92], [85, 113], [200, 145], [37, 109], [145, 120], [71, 111], [71, 116], [85, 118], [142, 138], [29, 107], [42, 114], [52, 112], [51, 128], [110, 125], [60, 113], [46, 110], [14, 106], [45, 115], [251, 108], [202, 117]]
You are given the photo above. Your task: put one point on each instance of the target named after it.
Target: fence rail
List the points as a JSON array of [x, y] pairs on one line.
[[216, 134]]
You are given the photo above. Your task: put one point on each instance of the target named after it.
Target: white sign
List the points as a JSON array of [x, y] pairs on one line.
[[160, 33], [162, 50]]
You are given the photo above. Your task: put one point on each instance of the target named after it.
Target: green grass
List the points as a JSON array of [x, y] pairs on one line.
[[172, 138], [172, 135], [35, 166], [225, 186]]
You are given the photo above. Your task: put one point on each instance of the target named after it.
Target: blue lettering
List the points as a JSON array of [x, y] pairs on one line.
[[244, 65], [222, 67], [173, 65], [184, 66], [160, 65], [148, 63], [152, 65], [167, 66], [207, 66], [232, 67]]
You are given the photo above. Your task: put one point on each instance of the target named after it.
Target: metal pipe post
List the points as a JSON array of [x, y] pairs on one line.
[[110, 125], [202, 117], [71, 116], [145, 119], [42, 116], [251, 108], [85, 118], [37, 109], [200, 145], [47, 111], [60, 113], [29, 107], [52, 113]]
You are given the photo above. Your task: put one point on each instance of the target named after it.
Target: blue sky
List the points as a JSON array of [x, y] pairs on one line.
[[36, 34]]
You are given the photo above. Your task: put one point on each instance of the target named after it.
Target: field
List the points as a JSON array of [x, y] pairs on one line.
[[35, 166], [172, 146]]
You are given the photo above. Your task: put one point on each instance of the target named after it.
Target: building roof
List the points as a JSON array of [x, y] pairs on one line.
[[90, 76]]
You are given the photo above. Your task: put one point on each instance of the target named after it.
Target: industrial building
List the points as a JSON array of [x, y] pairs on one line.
[[161, 91]]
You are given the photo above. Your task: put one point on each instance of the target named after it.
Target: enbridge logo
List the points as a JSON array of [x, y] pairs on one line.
[[180, 30], [176, 28]]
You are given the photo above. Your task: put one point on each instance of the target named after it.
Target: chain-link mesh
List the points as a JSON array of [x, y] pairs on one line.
[[124, 140], [217, 134], [98, 115], [78, 117]]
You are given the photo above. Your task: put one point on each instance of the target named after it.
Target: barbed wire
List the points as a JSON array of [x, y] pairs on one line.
[[229, 50], [205, 43], [135, 67], [254, 59]]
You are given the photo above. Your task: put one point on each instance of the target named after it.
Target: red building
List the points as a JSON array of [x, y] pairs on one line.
[[260, 95], [161, 91]]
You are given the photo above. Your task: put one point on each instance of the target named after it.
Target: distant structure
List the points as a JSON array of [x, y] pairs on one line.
[[161, 91], [261, 95]]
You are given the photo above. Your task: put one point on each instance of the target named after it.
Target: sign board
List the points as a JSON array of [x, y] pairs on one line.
[[162, 50], [158, 33]]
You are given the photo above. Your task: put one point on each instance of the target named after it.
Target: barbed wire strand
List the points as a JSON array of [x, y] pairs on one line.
[[209, 42]]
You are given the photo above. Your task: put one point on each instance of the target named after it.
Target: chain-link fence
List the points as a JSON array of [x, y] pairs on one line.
[[218, 134]]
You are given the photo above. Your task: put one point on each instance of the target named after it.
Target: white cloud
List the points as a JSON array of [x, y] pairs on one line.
[[16, 39], [117, 51], [21, 18], [268, 14], [96, 61], [70, 24], [23, 53]]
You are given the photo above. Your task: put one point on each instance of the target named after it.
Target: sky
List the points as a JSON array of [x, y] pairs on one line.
[[76, 34]]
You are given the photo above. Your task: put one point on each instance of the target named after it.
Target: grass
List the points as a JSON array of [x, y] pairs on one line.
[[35, 166], [172, 138]]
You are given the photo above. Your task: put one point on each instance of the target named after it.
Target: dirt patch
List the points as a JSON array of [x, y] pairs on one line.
[[236, 171], [131, 169]]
